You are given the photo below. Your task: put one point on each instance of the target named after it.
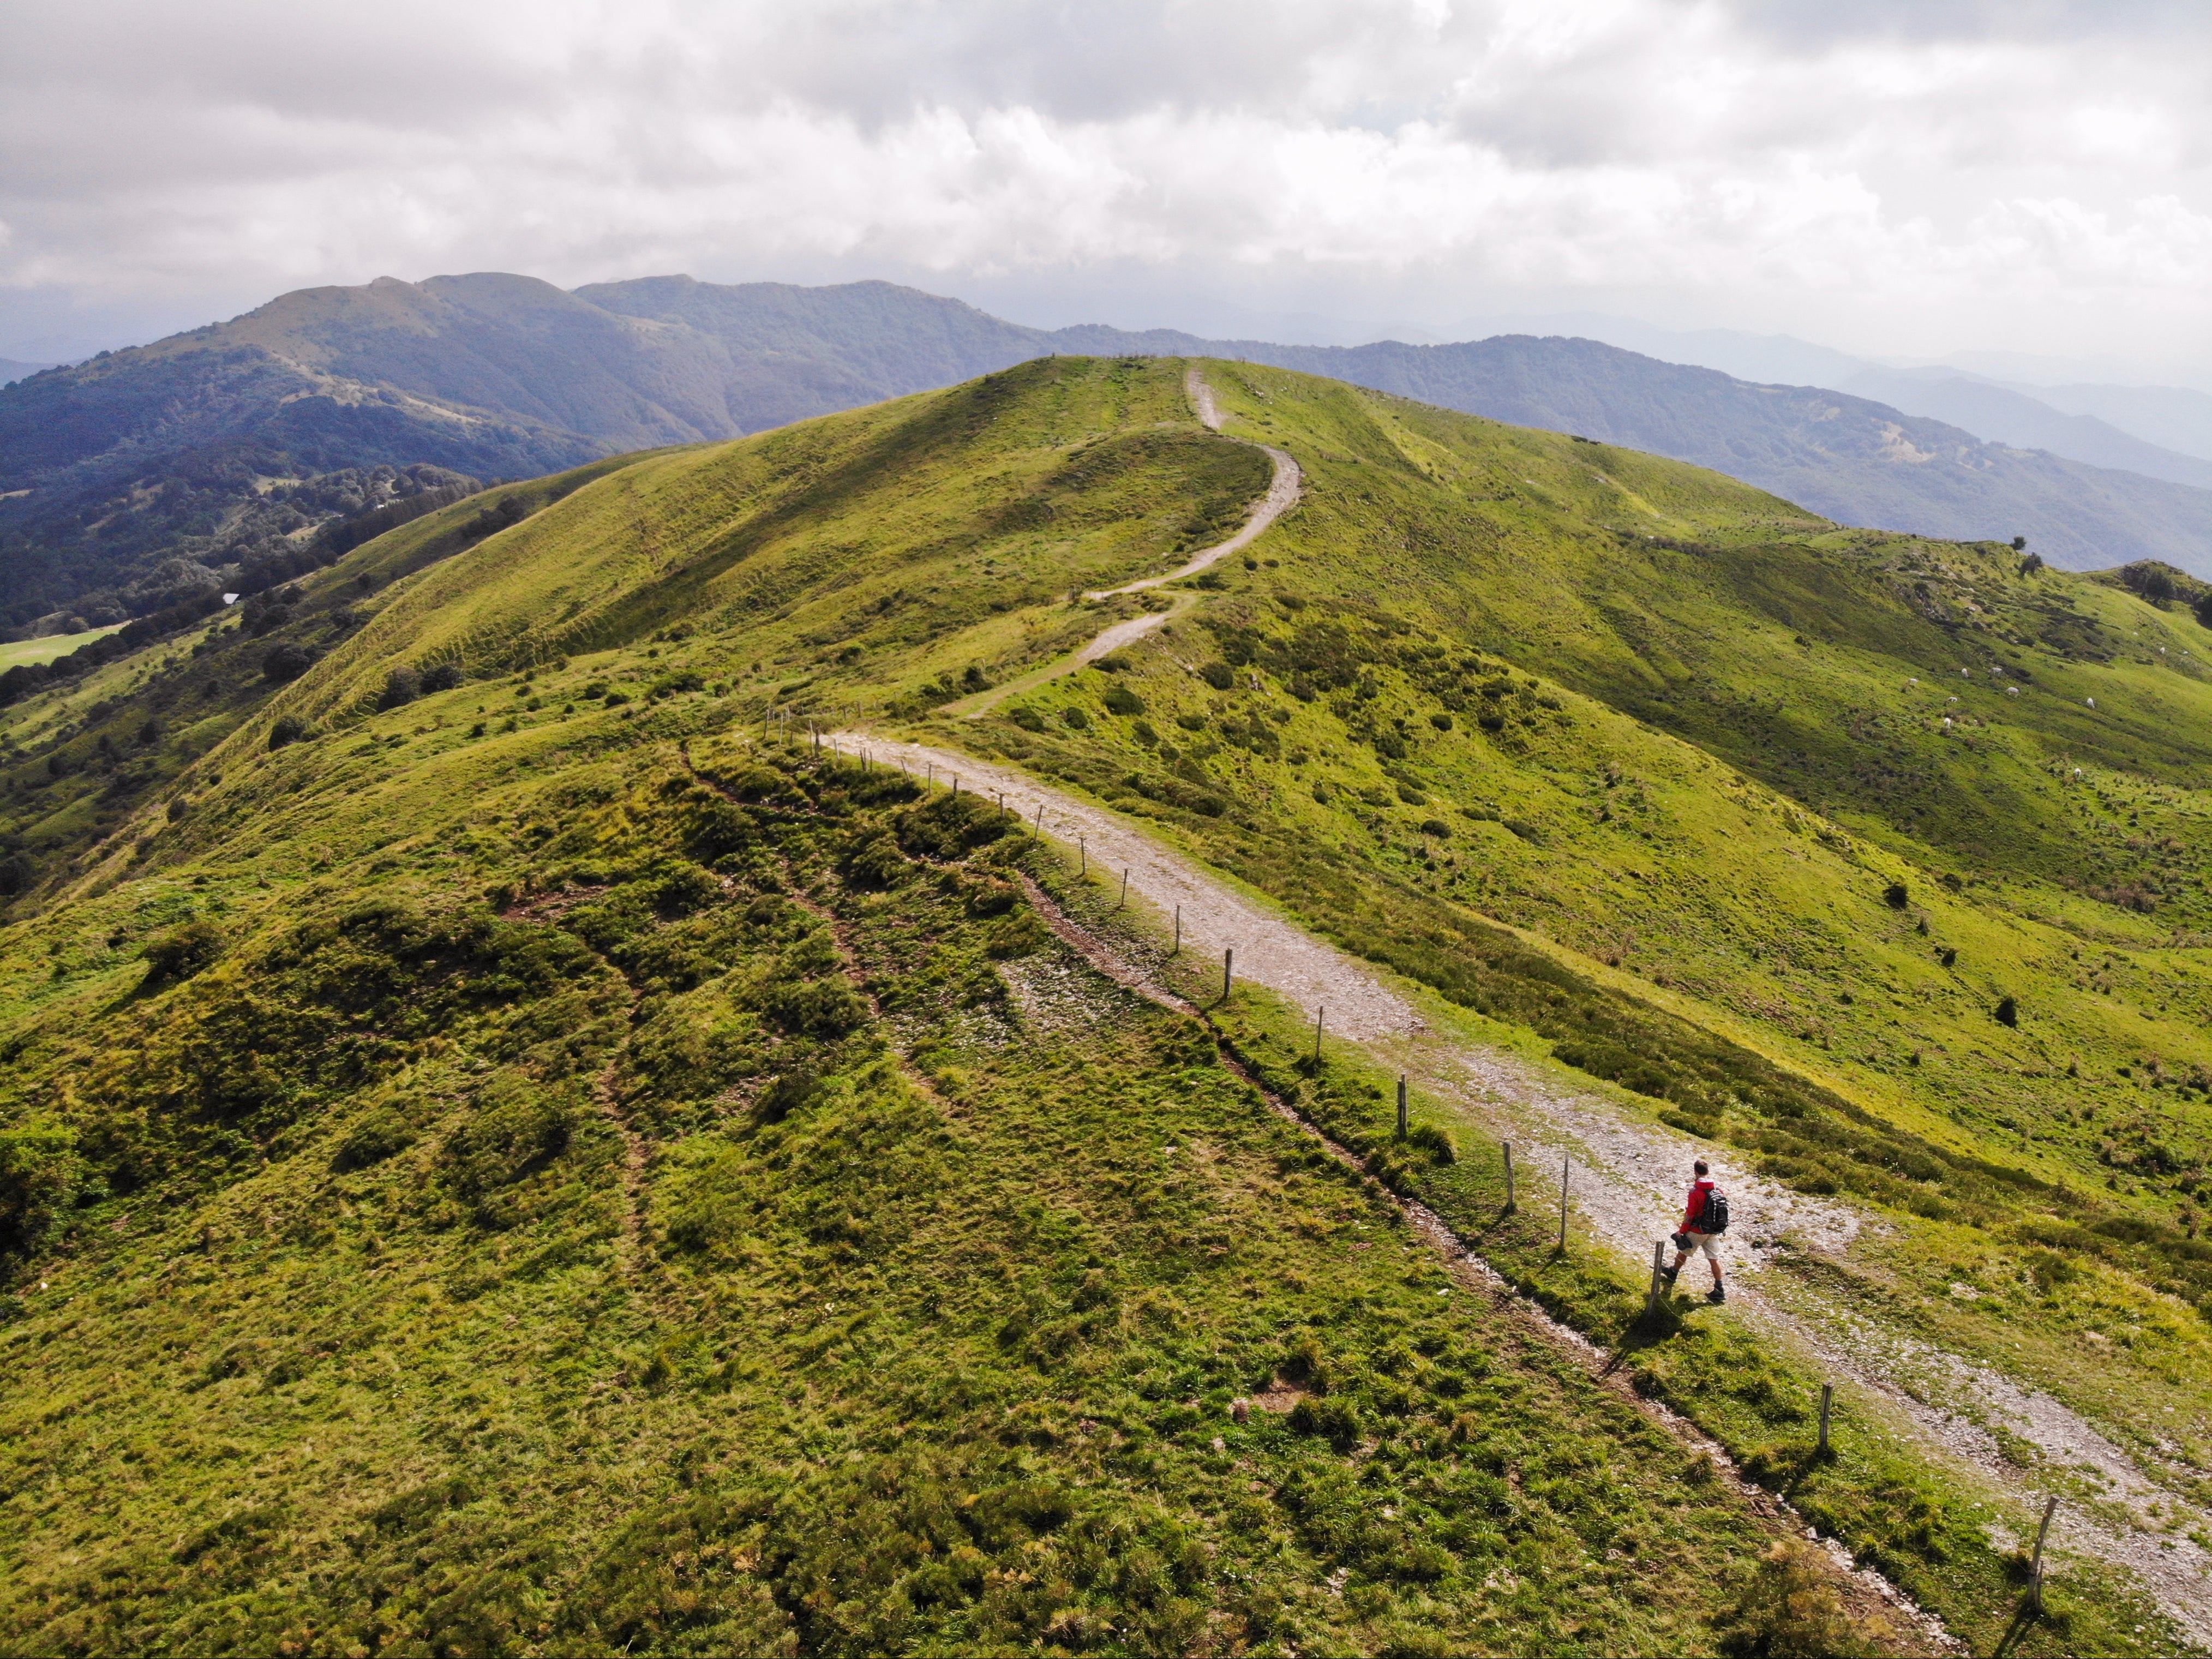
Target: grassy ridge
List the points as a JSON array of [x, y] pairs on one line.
[[1496, 708]]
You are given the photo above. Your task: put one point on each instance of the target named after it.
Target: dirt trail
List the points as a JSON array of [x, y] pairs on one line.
[[1282, 494], [631, 1249], [1628, 1182]]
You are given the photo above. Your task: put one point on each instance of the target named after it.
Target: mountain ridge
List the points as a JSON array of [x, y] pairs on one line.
[[113, 467]]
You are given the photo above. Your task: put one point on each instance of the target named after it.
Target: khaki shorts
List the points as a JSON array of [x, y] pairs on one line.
[[1708, 1242]]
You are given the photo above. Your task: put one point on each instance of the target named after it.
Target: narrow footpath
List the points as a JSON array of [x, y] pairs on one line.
[[1282, 494]]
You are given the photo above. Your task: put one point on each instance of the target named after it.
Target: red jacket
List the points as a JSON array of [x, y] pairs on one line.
[[1694, 1211]]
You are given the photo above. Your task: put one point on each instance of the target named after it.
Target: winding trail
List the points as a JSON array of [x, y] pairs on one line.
[[1282, 494], [1629, 1175]]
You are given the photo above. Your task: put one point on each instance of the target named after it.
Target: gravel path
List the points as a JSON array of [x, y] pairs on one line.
[[1627, 1186], [1282, 494]]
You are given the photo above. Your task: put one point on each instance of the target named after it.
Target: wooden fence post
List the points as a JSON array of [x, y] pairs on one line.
[[1178, 944], [1319, 1013], [1509, 1205], [2035, 1565], [1401, 1105], [1228, 969], [1124, 899], [1565, 1160], [1828, 1403]]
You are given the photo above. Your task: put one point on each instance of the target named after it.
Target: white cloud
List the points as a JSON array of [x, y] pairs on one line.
[[1905, 177]]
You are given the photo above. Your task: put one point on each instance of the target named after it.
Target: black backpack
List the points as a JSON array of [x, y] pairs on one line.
[[1715, 1220]]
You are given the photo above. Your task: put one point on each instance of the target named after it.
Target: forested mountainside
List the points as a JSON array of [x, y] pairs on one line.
[[512, 1147], [116, 468]]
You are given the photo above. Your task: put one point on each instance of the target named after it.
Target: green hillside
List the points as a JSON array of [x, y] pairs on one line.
[[199, 459], [504, 1158]]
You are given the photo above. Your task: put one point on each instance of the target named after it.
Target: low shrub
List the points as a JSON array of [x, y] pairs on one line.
[[1789, 1610], [182, 951]]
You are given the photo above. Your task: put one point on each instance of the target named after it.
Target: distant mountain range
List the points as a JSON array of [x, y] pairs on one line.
[[112, 469], [2165, 431], [11, 370]]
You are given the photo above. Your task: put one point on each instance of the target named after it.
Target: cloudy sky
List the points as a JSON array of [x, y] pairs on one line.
[[1906, 179]]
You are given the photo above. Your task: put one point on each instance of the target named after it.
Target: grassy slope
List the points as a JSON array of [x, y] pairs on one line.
[[76, 762], [867, 561], [47, 649], [364, 1358], [1684, 882]]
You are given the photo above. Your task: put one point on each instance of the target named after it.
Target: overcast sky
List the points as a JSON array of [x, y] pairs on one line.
[[1899, 178]]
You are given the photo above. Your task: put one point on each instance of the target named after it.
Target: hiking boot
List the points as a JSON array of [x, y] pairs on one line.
[[1718, 1293], [1669, 1274]]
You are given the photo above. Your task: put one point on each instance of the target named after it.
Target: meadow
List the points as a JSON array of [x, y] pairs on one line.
[[499, 1148]]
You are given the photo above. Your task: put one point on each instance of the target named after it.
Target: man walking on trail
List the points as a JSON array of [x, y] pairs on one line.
[[1704, 1218]]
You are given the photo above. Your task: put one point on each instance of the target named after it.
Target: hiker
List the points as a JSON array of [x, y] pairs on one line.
[[1704, 1219]]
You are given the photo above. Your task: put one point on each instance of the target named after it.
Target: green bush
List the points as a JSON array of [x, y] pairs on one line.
[[816, 1008], [877, 864], [1218, 675], [182, 951], [1791, 1610], [518, 1126], [1434, 1141], [1336, 1421], [786, 1094], [40, 1173], [383, 1134], [402, 685], [1120, 700]]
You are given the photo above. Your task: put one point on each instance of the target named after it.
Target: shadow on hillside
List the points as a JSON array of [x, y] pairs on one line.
[[2024, 1619]]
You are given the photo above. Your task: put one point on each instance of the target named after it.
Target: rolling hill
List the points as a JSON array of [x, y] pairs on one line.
[[228, 445], [511, 1146]]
